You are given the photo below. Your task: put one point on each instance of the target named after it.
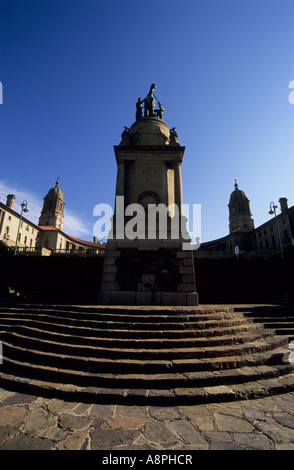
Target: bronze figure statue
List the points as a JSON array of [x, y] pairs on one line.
[[149, 105]]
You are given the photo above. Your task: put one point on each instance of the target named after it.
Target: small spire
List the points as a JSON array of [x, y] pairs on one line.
[[236, 184], [57, 182]]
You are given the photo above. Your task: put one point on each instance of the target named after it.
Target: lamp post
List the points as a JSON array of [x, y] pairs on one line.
[[24, 208], [272, 211]]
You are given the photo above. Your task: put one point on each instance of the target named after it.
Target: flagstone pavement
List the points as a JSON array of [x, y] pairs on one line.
[[37, 423]]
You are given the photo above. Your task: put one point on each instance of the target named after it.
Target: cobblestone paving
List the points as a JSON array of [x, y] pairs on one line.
[[36, 423]]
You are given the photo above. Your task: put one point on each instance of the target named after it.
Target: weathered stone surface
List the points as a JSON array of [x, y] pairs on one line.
[[284, 420], [7, 432], [105, 439], [251, 413], [24, 442], [19, 399], [135, 411], [156, 431], [203, 423], [224, 446], [75, 441], [68, 421], [164, 413], [57, 406], [127, 423], [276, 432], [187, 432], [261, 424], [253, 441], [12, 414], [37, 421], [99, 411], [219, 436], [232, 423], [230, 408]]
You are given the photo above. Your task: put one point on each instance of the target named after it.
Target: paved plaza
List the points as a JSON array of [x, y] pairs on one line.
[[37, 423]]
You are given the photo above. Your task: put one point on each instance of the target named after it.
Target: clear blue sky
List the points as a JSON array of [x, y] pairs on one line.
[[72, 71]]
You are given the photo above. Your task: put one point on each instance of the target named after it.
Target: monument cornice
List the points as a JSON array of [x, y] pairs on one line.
[[153, 152]]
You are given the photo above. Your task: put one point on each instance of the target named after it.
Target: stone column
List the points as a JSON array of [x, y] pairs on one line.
[[178, 186], [120, 179], [118, 220]]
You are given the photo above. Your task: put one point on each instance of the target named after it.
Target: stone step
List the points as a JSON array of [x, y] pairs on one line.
[[127, 355], [285, 331], [159, 361], [108, 313], [40, 329], [131, 325], [275, 310], [117, 310], [273, 320], [178, 395], [151, 325], [280, 319], [117, 321], [55, 341], [148, 380], [246, 343]]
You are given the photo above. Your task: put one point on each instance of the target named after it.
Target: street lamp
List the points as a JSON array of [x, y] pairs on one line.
[[24, 208], [272, 211]]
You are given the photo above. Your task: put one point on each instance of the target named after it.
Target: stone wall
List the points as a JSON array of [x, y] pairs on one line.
[[245, 281], [68, 279], [76, 280]]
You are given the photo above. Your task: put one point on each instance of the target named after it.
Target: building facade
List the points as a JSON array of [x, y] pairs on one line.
[[14, 226], [246, 241], [47, 238]]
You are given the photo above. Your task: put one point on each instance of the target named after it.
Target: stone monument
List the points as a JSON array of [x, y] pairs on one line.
[[147, 259]]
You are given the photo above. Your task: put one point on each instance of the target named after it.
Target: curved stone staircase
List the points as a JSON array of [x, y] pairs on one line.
[[142, 355]]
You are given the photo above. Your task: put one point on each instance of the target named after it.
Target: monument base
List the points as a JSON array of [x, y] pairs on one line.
[[148, 298], [160, 276]]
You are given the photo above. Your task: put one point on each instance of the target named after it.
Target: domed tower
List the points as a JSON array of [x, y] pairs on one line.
[[239, 211], [53, 208]]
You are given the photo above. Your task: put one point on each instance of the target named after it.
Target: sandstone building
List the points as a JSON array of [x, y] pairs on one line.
[[47, 237], [261, 242]]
